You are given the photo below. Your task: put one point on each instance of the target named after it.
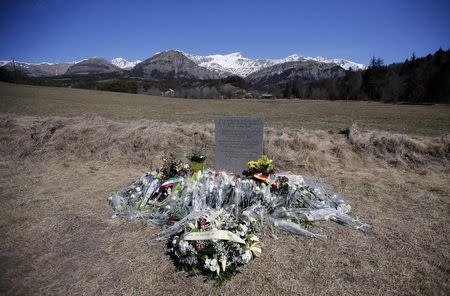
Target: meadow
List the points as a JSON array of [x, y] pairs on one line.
[[64, 151], [308, 114]]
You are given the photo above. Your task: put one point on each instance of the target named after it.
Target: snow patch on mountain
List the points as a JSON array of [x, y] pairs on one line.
[[124, 64], [2, 63], [234, 63], [347, 65]]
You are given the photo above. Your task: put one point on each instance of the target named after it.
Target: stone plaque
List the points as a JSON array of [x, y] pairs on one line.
[[239, 139]]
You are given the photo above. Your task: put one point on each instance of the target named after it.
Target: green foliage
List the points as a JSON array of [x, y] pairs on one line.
[[224, 276], [119, 85], [172, 167], [374, 78], [177, 213], [197, 156]]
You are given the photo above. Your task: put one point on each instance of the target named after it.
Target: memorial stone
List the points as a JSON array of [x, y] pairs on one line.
[[239, 139]]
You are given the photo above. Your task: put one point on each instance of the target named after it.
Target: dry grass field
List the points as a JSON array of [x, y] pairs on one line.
[[321, 115], [63, 151]]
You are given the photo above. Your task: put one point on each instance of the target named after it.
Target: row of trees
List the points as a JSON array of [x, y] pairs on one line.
[[417, 80]]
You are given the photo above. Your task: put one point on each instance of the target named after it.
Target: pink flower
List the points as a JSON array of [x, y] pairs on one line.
[[199, 245], [202, 223]]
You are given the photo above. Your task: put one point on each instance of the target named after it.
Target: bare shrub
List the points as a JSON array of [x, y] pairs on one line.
[[395, 149]]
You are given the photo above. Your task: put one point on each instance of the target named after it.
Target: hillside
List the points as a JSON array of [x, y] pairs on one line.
[[171, 64], [93, 66], [295, 70]]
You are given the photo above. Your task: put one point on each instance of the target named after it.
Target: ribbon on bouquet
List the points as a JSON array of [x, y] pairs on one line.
[[169, 183], [262, 177], [214, 235]]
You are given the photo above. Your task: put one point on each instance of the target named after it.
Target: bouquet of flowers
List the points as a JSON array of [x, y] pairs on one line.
[[211, 216], [172, 167], [216, 247], [259, 169], [197, 158]]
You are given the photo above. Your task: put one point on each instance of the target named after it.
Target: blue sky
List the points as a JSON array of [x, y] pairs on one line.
[[59, 30]]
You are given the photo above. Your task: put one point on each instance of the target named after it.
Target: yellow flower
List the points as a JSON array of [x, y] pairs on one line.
[[252, 164]]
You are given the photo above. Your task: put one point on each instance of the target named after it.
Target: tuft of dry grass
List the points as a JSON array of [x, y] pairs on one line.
[[56, 238], [402, 149]]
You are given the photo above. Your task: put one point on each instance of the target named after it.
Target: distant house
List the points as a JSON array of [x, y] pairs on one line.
[[238, 93], [267, 96], [250, 95], [168, 93]]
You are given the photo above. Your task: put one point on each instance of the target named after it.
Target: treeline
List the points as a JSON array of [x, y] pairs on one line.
[[417, 80], [229, 87]]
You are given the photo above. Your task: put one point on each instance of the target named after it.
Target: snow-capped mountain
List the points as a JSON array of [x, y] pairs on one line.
[[36, 70], [53, 69], [124, 64], [24, 64], [347, 65], [233, 63], [236, 64]]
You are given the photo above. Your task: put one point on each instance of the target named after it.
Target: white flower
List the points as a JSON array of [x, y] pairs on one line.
[[211, 264], [138, 189], [243, 230], [254, 238], [223, 262], [246, 257], [243, 227], [183, 247]]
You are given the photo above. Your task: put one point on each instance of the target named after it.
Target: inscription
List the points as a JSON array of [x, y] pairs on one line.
[[239, 139]]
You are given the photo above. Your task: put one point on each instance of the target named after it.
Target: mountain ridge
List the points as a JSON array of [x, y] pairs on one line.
[[236, 64], [222, 65]]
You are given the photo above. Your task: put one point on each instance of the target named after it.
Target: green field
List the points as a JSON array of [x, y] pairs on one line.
[[325, 115]]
